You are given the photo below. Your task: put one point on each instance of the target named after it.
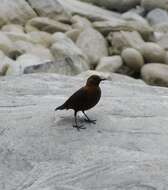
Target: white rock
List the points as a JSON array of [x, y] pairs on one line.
[[114, 25], [132, 58], [163, 41], [5, 44], [161, 28], [152, 53], [15, 36], [50, 8], [124, 39], [23, 46], [91, 12], [42, 38], [40, 150], [81, 23], [43, 53], [30, 28], [116, 5], [5, 63], [93, 44], [32, 63], [70, 58], [27, 60], [155, 74], [73, 34], [152, 4], [47, 25], [13, 28], [132, 16], [16, 12], [109, 64], [40, 51], [157, 16]]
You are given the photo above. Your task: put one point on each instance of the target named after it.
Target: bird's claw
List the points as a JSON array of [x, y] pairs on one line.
[[90, 121], [78, 127]]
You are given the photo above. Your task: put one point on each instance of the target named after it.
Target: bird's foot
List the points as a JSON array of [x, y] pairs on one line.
[[90, 121], [78, 127]]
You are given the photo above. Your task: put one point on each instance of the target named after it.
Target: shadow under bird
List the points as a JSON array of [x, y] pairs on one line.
[[84, 99]]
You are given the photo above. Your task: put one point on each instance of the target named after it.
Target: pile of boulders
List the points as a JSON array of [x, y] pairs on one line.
[[69, 37]]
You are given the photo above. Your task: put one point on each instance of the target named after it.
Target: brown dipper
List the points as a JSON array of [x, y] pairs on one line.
[[84, 99]]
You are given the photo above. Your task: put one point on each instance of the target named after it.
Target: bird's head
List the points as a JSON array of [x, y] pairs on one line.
[[94, 80]]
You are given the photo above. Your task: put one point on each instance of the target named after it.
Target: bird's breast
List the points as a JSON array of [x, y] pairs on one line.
[[93, 96]]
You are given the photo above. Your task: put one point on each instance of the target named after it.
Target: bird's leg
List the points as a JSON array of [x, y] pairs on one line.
[[76, 124], [88, 119]]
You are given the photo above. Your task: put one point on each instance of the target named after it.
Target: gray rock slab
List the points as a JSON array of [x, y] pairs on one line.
[[17, 12], [90, 11], [39, 150]]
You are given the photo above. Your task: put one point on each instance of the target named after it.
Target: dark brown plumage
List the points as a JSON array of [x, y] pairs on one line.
[[84, 99]]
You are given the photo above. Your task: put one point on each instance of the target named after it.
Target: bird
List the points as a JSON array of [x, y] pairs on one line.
[[84, 99]]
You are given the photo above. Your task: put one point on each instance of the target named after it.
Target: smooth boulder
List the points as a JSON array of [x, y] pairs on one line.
[[93, 13], [26, 60], [113, 25], [93, 44], [47, 25], [152, 4], [109, 64], [132, 58], [123, 39], [5, 63], [16, 12], [152, 52], [40, 37], [43, 53], [50, 8], [115, 5], [73, 34], [157, 16], [6, 44], [79, 22], [70, 58], [13, 28], [163, 41], [155, 74]]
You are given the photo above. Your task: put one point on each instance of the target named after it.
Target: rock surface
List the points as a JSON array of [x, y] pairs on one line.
[[71, 58], [12, 28], [113, 25], [155, 74], [5, 44], [93, 44], [116, 5], [5, 64], [92, 12], [81, 23], [48, 25], [152, 4], [50, 8], [157, 16], [132, 58], [39, 149], [17, 12], [152, 53], [109, 64], [124, 39]]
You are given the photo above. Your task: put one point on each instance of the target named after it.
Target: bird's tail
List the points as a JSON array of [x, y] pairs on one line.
[[62, 107]]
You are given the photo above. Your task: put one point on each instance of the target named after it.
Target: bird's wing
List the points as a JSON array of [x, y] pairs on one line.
[[77, 99]]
